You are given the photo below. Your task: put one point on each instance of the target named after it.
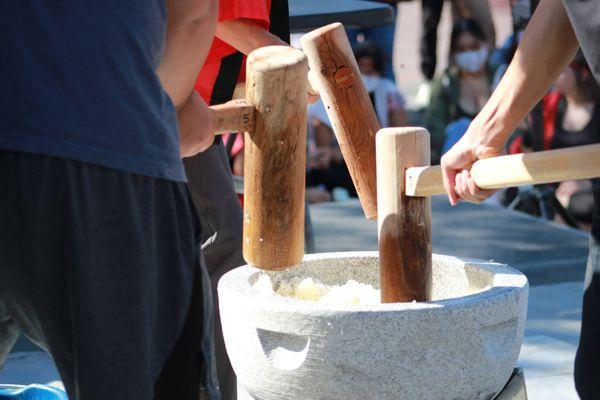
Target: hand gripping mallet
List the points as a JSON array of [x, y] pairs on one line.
[[405, 181]]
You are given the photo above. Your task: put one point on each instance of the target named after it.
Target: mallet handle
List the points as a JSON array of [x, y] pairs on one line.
[[233, 116], [238, 115], [582, 162]]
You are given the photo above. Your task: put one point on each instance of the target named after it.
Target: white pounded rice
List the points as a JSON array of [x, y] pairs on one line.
[[352, 292]]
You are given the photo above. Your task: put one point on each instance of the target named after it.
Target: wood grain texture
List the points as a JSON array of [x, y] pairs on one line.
[[233, 116], [335, 74], [573, 163], [404, 222], [275, 158]]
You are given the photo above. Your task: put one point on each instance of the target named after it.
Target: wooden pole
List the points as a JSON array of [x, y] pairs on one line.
[[404, 222], [275, 158], [335, 74], [573, 163]]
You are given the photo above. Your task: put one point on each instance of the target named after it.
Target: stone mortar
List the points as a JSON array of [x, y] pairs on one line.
[[462, 345]]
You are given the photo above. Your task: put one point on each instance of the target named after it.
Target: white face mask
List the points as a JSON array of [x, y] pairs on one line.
[[472, 61], [370, 82]]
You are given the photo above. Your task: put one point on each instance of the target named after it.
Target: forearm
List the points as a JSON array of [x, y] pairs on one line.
[[548, 45], [190, 30], [246, 35]]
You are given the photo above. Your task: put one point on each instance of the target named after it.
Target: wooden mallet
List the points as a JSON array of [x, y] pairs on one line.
[[273, 117], [405, 181], [582, 162], [335, 75]]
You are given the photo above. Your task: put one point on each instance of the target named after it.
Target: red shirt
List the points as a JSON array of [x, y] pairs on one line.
[[256, 10]]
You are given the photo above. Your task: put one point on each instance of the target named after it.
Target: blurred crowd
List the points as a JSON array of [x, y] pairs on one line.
[[448, 100]]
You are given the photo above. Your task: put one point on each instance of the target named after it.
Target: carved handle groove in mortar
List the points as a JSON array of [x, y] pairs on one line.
[[581, 162]]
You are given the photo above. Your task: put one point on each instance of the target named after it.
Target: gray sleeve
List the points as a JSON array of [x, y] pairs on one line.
[[585, 18]]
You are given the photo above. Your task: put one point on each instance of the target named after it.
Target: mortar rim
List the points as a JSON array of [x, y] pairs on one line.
[[513, 281]]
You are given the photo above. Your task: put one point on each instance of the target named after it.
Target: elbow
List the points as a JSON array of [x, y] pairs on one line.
[[190, 14], [204, 10]]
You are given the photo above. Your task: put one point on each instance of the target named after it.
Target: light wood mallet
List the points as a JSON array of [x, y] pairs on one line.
[[582, 162], [405, 181], [335, 75], [273, 117]]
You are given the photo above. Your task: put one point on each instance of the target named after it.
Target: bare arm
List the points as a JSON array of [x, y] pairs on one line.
[[548, 44], [246, 35], [191, 27]]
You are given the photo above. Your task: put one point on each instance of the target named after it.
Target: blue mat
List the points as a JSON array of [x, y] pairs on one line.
[[31, 392]]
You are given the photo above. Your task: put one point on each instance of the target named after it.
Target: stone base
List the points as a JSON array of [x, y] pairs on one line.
[[515, 388]]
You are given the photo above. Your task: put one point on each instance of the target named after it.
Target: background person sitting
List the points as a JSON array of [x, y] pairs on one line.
[[571, 117], [463, 88]]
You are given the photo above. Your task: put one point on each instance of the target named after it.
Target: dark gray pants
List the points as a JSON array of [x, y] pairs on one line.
[[587, 360], [211, 186], [102, 268]]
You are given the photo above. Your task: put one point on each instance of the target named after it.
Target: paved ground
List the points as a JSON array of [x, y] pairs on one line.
[[551, 335], [546, 252]]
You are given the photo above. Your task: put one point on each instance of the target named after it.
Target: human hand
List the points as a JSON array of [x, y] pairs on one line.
[[313, 93], [566, 189], [474, 145], [312, 97], [195, 126]]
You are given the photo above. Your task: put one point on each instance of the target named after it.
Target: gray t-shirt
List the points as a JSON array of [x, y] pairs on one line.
[[78, 81], [585, 18]]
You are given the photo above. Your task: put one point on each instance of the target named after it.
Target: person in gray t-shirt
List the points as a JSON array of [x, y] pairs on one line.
[[549, 43]]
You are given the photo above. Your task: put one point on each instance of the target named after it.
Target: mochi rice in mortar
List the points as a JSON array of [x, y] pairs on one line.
[[351, 292]]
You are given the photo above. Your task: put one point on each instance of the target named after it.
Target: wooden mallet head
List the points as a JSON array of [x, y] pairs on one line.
[[335, 74], [275, 158], [404, 222], [273, 117]]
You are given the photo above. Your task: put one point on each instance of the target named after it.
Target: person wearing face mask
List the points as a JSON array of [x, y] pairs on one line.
[[462, 90]]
